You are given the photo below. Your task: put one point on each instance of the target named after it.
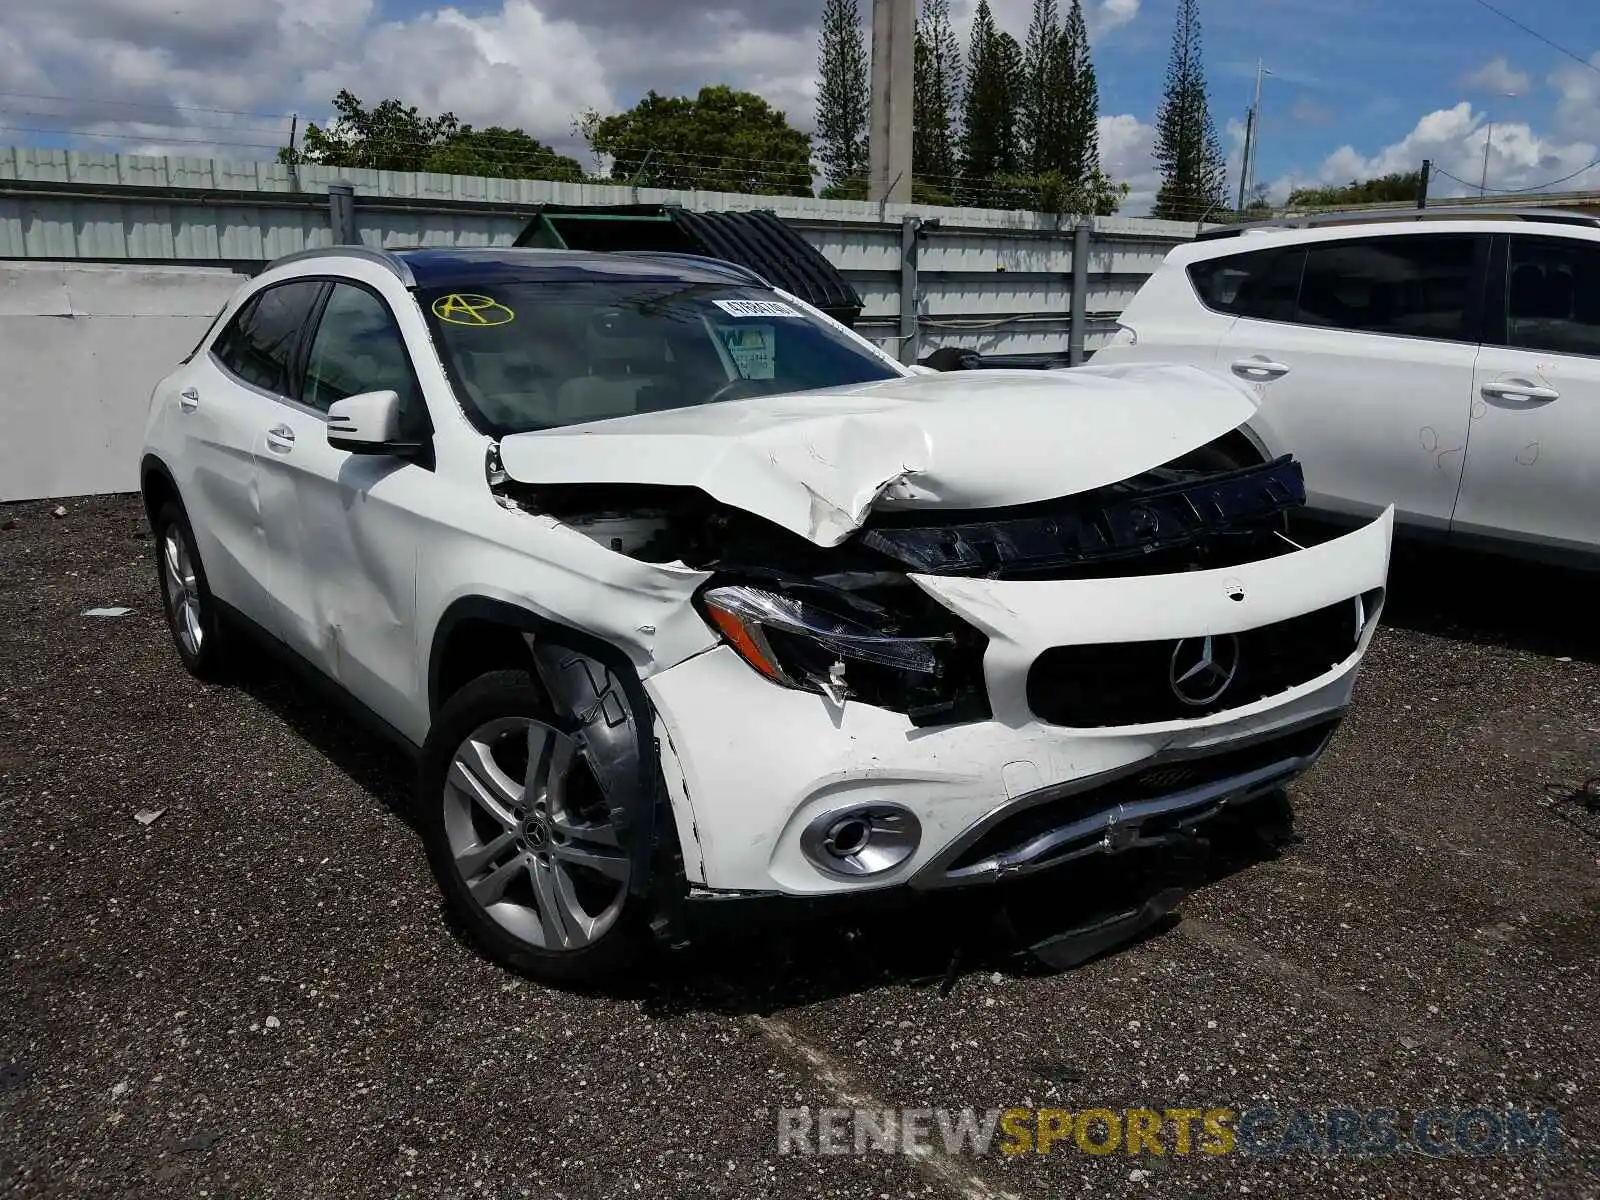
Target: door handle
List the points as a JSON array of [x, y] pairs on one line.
[[1513, 389], [1259, 368], [280, 439], [189, 399]]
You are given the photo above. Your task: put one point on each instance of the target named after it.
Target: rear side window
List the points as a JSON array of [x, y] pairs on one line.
[[1553, 296], [1409, 286], [257, 346], [1263, 284]]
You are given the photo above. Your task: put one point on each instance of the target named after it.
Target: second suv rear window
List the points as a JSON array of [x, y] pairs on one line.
[[1411, 286]]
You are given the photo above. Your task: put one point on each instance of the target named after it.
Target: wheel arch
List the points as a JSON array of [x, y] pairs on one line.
[[156, 486], [477, 630]]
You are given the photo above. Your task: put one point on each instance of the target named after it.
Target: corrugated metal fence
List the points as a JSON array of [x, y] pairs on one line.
[[998, 282]]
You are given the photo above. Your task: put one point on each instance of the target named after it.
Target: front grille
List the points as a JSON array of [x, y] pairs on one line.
[[1161, 779], [1132, 683]]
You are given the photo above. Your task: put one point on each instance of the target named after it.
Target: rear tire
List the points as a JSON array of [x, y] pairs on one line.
[[520, 840], [191, 611]]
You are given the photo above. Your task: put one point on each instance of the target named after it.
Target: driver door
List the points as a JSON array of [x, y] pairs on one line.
[[344, 527]]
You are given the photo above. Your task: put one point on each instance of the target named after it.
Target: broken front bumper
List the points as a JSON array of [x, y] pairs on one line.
[[756, 770]]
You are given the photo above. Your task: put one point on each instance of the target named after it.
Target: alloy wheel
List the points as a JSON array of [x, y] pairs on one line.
[[182, 588], [531, 836]]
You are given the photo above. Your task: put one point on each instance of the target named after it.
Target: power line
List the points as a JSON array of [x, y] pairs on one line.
[[1531, 32], [1519, 191]]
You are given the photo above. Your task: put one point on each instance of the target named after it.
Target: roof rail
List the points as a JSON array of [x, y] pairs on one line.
[[387, 259], [1447, 212], [732, 269]]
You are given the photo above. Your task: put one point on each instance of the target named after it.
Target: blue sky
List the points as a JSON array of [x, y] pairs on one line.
[[1359, 87], [1360, 73]]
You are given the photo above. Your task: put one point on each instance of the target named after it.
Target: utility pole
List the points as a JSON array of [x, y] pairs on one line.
[[1244, 163], [1422, 182], [1252, 134], [894, 30], [1483, 180]]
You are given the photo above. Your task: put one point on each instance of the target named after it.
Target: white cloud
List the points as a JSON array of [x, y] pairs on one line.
[[1497, 76], [152, 74], [1454, 139], [1111, 13], [1126, 144], [1578, 99]]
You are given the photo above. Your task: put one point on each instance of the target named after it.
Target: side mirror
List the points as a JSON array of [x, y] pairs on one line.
[[368, 423]]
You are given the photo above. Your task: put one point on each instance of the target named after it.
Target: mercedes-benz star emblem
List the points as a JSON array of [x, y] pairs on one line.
[[1203, 668]]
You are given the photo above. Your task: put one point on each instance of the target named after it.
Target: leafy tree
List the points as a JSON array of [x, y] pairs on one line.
[[1193, 172], [1400, 186], [855, 188], [989, 106], [1080, 119], [388, 137], [844, 103], [721, 140], [501, 154], [938, 88], [1054, 192], [396, 137]]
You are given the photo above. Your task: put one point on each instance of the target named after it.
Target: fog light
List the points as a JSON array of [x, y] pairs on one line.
[[866, 840]]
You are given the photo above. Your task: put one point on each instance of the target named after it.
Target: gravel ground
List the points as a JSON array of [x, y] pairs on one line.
[[257, 994]]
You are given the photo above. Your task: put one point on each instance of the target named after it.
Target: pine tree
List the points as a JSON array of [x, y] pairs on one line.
[[1080, 119], [1193, 172], [1044, 91], [844, 99], [988, 109], [938, 87]]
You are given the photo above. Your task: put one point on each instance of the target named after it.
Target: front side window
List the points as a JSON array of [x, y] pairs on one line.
[[358, 347], [257, 345], [1263, 284], [537, 355], [1412, 286], [1553, 296]]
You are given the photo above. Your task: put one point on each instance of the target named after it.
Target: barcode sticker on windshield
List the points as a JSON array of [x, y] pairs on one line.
[[756, 308], [753, 348]]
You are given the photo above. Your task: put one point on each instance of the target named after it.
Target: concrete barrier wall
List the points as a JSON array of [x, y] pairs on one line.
[[81, 348]]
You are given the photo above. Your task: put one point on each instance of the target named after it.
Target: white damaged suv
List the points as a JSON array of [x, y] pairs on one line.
[[680, 592]]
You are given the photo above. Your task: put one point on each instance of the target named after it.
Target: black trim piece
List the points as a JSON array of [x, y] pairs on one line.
[[1495, 291], [1482, 252], [651, 793], [295, 373], [758, 241]]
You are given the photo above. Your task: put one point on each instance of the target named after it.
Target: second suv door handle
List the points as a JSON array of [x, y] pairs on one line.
[[1259, 368], [280, 439], [189, 399], [1511, 389]]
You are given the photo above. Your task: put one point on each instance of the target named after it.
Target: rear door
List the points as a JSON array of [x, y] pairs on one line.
[[223, 399], [343, 528], [1533, 464], [1368, 378]]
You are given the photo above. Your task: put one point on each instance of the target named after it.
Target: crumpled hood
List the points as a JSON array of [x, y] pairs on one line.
[[816, 462]]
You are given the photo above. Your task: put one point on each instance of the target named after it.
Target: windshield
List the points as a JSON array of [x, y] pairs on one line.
[[537, 355]]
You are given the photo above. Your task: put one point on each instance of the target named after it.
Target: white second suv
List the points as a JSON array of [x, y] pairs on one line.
[[1446, 362], [681, 593]]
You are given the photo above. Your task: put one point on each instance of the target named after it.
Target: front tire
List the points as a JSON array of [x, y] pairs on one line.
[[186, 598], [520, 838]]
